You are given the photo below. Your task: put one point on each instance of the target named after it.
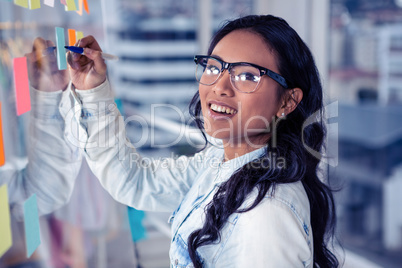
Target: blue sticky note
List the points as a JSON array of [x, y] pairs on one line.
[[31, 223], [119, 105], [135, 218], [61, 51]]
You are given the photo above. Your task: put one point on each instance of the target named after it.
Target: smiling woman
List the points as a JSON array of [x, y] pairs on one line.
[[269, 42], [255, 201], [247, 130]]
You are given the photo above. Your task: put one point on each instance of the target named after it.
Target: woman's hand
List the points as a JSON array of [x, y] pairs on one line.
[[43, 72], [89, 70]]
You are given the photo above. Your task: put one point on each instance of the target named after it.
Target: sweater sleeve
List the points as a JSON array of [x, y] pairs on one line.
[[146, 184], [52, 164]]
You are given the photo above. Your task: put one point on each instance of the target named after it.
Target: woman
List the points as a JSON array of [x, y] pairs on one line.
[[256, 202]]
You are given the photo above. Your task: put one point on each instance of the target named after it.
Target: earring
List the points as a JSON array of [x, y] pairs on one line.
[[283, 114]]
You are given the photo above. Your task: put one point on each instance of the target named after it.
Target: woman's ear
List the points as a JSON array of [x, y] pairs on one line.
[[290, 100]]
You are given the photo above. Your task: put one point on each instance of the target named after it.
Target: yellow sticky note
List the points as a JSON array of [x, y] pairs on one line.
[[34, 4], [70, 5], [79, 35], [21, 3], [5, 224]]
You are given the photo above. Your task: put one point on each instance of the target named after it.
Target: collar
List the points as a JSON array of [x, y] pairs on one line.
[[227, 168]]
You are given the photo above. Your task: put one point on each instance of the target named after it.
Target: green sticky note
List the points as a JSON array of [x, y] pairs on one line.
[[34, 4], [31, 224], [61, 51], [70, 5], [5, 224], [21, 3], [79, 35]]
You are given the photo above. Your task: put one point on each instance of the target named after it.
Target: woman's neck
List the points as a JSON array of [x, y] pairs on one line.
[[233, 151]]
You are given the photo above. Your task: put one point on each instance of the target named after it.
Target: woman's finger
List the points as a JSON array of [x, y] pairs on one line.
[[39, 44], [90, 42]]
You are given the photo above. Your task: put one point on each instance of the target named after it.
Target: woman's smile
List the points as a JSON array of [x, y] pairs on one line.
[[220, 110]]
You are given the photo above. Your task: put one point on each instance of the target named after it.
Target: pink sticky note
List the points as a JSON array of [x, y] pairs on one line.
[[23, 100], [2, 156], [80, 7]]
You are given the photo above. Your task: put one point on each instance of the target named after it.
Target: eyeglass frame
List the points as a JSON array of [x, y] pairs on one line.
[[226, 66]]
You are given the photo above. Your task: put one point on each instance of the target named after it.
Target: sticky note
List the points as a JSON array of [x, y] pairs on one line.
[[31, 224], [21, 3], [63, 2], [79, 35], [5, 224], [71, 37], [61, 51], [2, 155], [23, 100], [119, 105], [34, 4], [49, 3], [70, 5], [86, 6], [79, 4], [135, 218]]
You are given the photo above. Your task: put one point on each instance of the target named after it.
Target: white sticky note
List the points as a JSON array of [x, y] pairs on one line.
[[49, 3]]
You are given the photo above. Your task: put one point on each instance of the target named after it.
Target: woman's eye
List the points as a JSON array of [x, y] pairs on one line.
[[246, 77]]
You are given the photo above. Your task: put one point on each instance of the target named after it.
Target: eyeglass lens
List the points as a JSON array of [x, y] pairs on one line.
[[244, 77]]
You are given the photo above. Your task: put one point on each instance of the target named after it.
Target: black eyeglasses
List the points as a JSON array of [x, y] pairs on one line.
[[244, 76]]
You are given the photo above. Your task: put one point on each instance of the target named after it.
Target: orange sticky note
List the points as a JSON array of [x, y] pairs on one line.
[[2, 155], [23, 100], [71, 37], [86, 6]]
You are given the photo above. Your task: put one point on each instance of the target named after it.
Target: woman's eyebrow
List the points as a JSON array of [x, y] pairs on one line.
[[216, 57]]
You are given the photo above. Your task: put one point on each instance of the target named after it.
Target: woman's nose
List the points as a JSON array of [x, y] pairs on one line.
[[223, 87]]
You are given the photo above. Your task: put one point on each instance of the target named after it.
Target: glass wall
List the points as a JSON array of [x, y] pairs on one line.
[[153, 82]]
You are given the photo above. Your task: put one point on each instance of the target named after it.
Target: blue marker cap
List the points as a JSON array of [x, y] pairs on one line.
[[79, 50]]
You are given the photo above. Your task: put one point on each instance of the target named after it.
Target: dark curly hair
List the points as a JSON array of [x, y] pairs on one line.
[[296, 64]]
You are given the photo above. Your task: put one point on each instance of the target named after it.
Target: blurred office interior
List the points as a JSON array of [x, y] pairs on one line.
[[357, 45]]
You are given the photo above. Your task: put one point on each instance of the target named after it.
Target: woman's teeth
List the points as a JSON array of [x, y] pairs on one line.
[[222, 109]]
